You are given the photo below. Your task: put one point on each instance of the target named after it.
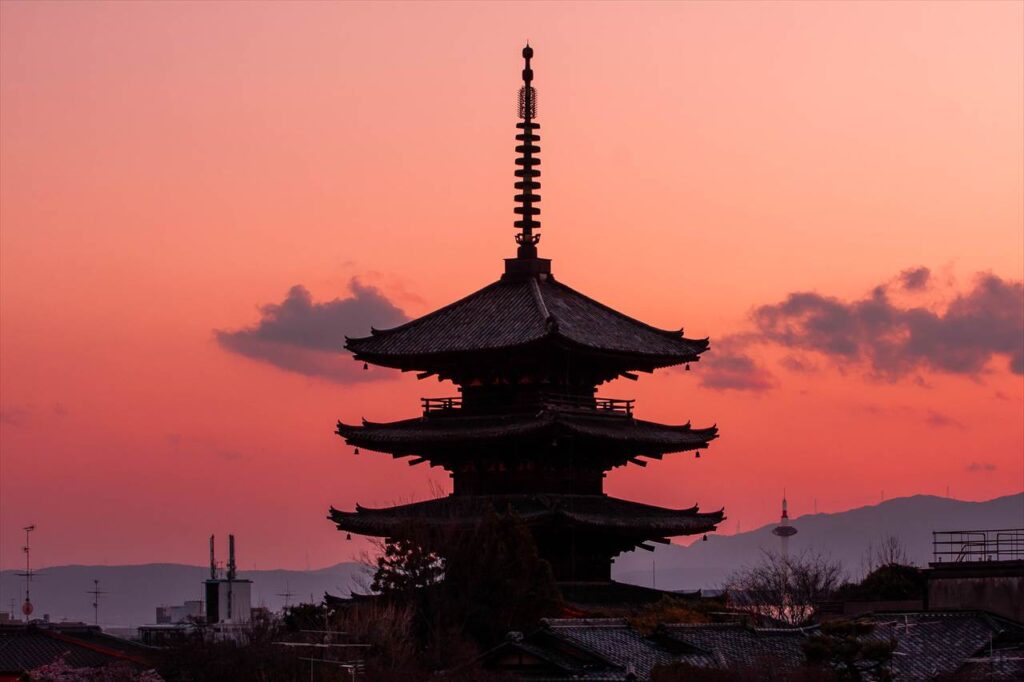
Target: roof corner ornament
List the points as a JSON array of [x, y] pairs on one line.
[[527, 162]]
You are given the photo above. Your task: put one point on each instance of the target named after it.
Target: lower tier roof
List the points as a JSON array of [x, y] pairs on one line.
[[425, 436], [598, 513]]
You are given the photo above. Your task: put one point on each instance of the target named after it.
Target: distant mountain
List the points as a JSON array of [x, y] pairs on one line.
[[134, 592], [844, 536]]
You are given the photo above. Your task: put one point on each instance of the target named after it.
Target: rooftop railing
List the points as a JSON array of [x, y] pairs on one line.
[[557, 401], [963, 546]]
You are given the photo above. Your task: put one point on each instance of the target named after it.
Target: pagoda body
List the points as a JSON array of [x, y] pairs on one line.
[[528, 432]]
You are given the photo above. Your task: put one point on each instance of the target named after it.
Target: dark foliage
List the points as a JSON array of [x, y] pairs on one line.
[[846, 648], [887, 583], [256, 658]]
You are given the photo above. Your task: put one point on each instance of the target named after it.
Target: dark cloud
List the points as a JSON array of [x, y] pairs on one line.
[[939, 419], [895, 341], [15, 415], [730, 367], [978, 467], [303, 336], [915, 279]]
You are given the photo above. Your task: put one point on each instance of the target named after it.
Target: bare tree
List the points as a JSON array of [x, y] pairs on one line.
[[785, 589], [888, 551]]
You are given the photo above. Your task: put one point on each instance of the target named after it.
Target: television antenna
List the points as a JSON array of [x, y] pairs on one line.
[[26, 607], [287, 594], [95, 592]]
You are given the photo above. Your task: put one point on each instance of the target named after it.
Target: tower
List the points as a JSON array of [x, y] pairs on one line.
[[784, 530], [528, 432]]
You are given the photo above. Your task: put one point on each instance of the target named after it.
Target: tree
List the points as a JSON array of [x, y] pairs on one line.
[[785, 589], [846, 648], [405, 565]]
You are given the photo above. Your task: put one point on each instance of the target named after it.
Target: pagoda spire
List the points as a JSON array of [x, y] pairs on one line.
[[527, 162]]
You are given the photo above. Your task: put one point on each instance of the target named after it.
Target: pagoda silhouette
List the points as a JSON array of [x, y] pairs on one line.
[[528, 433]]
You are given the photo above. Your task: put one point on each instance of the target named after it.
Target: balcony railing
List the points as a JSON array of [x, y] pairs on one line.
[[978, 545], [556, 401]]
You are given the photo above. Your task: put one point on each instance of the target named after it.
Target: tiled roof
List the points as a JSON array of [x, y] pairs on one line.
[[633, 435], [599, 512], [930, 645], [25, 648], [732, 644], [613, 640], [521, 312], [935, 644]]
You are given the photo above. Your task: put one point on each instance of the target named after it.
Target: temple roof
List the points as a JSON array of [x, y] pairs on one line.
[[522, 311], [595, 512], [411, 436]]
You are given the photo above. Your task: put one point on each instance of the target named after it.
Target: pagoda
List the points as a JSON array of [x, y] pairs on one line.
[[527, 432]]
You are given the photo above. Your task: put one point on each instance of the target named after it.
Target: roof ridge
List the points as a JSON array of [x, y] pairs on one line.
[[416, 320], [675, 334]]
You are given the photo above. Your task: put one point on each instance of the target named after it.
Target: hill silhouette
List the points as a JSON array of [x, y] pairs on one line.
[[844, 536], [135, 591]]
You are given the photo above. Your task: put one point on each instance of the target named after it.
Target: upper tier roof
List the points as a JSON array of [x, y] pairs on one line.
[[519, 311]]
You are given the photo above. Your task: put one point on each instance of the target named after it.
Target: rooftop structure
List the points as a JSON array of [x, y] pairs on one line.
[[528, 432], [929, 645]]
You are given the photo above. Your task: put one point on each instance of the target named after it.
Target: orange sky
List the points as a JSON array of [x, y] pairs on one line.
[[166, 169]]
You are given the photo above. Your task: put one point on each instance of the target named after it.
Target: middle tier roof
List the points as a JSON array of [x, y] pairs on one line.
[[429, 436]]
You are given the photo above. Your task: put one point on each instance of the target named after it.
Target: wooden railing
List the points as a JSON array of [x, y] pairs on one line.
[[556, 401]]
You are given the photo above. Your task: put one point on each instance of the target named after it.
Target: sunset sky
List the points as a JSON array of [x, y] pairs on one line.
[[199, 200]]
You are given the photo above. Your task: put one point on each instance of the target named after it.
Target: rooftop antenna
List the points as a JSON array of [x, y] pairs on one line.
[[95, 592], [287, 594], [527, 171], [231, 557], [213, 561], [26, 607]]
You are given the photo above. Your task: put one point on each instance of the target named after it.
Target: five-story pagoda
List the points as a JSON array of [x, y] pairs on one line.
[[528, 432]]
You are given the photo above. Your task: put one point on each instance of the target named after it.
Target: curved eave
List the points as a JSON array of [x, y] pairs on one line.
[[413, 437], [620, 518]]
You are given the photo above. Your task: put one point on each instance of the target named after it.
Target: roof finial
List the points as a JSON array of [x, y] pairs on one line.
[[527, 171]]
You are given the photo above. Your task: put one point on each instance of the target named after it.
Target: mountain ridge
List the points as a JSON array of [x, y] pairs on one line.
[[135, 590]]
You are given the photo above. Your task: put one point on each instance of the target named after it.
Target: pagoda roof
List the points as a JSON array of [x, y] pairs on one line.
[[595, 512], [414, 436], [523, 311]]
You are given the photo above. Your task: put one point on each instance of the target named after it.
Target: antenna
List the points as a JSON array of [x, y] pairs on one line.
[[26, 607], [231, 557], [213, 561], [287, 594], [95, 592]]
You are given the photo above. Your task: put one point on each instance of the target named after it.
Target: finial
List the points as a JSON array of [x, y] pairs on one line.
[[527, 171]]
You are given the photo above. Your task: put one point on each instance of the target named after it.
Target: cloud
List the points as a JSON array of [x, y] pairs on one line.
[[306, 337], [979, 467], [933, 418], [15, 415], [731, 368], [915, 279], [895, 341]]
